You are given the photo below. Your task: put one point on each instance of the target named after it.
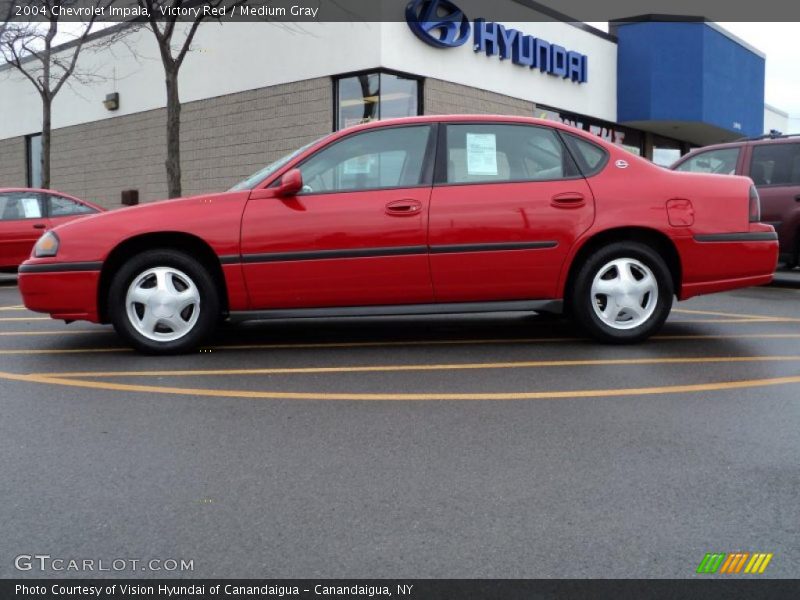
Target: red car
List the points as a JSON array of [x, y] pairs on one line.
[[26, 213], [444, 214], [773, 163]]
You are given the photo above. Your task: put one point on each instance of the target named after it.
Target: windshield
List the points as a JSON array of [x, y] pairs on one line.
[[259, 176]]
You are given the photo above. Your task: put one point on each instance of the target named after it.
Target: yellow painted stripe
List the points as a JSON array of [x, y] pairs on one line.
[[764, 564], [755, 563], [733, 321], [543, 395], [435, 367], [750, 564], [687, 311], [322, 345], [25, 319], [726, 336], [33, 351], [713, 313], [54, 332]]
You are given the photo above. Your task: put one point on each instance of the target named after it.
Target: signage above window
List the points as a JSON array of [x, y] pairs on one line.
[[441, 24]]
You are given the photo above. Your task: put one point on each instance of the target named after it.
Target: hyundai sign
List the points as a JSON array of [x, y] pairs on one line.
[[441, 24]]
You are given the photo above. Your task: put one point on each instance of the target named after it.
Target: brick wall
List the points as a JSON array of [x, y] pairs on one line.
[[223, 140], [13, 170], [443, 97], [97, 160]]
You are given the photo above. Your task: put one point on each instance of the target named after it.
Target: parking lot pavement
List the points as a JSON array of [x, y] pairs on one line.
[[475, 446]]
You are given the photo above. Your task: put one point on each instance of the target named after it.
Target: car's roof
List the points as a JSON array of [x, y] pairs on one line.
[[470, 118], [757, 141], [466, 118]]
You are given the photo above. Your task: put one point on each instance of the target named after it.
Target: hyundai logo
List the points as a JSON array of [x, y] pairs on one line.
[[439, 23]]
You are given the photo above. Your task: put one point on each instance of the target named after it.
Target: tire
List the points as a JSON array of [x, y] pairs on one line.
[[163, 302], [634, 305]]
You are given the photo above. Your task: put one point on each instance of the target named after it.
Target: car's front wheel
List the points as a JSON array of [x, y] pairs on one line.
[[622, 293], [163, 302]]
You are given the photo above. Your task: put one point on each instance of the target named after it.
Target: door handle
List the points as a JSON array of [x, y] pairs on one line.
[[39, 226], [797, 198], [403, 208], [568, 200]]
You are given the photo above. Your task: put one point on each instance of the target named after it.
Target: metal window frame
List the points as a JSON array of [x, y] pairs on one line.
[[379, 71]]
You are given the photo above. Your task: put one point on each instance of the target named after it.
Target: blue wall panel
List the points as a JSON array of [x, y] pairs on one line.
[[688, 72]]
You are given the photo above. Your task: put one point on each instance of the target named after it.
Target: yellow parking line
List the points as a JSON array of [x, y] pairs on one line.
[[55, 332], [478, 342], [687, 311], [727, 336], [29, 351], [734, 321], [592, 393], [434, 367], [25, 319]]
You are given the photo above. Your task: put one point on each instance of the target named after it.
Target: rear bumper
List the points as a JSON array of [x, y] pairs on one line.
[[716, 262], [64, 294]]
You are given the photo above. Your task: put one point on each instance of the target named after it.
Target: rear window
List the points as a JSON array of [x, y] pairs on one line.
[[721, 161]]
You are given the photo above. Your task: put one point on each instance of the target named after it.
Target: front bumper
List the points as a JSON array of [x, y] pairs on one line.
[[63, 293]]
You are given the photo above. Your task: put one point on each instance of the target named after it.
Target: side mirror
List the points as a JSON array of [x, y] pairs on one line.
[[291, 183]]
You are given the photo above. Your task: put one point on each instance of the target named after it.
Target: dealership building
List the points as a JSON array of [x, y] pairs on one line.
[[254, 91]]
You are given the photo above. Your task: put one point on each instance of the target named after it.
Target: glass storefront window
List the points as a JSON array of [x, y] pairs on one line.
[[665, 151], [376, 95], [34, 152], [625, 137]]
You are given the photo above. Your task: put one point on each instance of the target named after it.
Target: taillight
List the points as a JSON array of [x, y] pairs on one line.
[[755, 205]]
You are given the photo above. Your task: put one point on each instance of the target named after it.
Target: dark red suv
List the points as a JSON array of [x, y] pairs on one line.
[[773, 163]]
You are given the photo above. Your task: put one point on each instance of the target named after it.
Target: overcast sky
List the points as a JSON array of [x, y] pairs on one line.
[[781, 43]]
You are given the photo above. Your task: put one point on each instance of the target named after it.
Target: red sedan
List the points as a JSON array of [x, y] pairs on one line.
[[414, 216], [26, 213]]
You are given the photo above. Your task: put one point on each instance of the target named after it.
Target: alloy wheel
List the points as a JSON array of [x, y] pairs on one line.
[[624, 293], [162, 304]]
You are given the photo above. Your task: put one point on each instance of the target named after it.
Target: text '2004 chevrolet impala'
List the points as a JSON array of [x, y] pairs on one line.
[[423, 215]]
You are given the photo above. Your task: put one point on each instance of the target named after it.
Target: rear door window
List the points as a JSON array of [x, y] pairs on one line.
[[775, 164], [489, 153]]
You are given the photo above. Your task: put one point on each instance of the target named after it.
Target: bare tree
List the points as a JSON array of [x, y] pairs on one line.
[[29, 47], [162, 19]]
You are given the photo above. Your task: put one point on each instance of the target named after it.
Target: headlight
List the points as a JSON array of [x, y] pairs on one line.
[[46, 246]]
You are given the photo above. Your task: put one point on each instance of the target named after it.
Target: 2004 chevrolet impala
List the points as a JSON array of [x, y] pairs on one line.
[[414, 216]]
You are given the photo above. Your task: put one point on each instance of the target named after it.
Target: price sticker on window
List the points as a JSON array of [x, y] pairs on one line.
[[481, 154]]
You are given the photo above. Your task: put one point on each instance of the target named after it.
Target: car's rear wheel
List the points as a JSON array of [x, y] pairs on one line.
[[622, 293], [163, 302]]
